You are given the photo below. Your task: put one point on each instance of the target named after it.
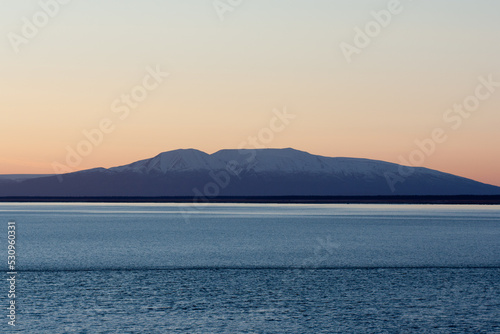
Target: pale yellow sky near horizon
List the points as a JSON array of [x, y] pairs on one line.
[[101, 65]]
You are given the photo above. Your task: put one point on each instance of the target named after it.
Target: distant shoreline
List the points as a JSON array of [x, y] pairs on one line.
[[461, 199]]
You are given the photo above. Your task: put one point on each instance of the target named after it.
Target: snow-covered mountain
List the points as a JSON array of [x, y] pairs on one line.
[[174, 161], [259, 172]]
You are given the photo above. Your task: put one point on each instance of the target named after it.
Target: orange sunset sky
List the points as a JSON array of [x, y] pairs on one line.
[[230, 66]]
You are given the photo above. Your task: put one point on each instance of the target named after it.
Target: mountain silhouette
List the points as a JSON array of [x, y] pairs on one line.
[[259, 172]]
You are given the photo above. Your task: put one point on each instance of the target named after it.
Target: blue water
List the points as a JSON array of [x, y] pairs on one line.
[[169, 268]]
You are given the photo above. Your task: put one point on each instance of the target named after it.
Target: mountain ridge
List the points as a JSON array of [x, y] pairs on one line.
[[249, 172]]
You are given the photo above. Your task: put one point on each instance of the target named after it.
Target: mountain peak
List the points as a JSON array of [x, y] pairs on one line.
[[180, 160], [186, 160]]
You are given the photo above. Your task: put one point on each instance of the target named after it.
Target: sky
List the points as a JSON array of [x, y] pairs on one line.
[[87, 84]]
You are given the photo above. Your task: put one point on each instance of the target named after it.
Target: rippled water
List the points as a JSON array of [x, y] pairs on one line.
[[163, 268]]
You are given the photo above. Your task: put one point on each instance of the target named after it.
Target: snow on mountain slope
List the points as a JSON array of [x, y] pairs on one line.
[[280, 162], [262, 161], [294, 161], [286, 161], [174, 161]]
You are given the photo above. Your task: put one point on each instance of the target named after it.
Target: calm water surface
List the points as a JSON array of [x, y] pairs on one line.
[[165, 268]]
